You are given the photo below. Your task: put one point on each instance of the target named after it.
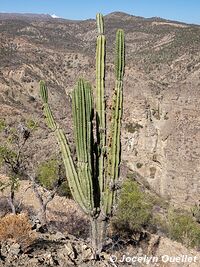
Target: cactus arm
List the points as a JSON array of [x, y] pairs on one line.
[[89, 119], [100, 101], [71, 172], [82, 119], [88, 105], [114, 145], [100, 23], [47, 111], [120, 55], [114, 150], [43, 92]]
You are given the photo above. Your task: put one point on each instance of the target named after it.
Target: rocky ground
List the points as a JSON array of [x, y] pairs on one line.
[[67, 243], [62, 249]]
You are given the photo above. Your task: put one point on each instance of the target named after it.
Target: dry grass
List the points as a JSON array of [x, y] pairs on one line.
[[17, 228]]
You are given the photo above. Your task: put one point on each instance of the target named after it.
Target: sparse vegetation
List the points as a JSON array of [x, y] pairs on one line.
[[2, 125], [64, 190], [17, 228], [31, 98], [138, 211], [32, 124], [50, 173], [183, 228], [195, 210], [47, 173], [134, 209], [156, 113], [133, 127], [12, 159], [139, 165]]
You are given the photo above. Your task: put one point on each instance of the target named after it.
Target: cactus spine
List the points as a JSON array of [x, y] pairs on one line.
[[94, 176]]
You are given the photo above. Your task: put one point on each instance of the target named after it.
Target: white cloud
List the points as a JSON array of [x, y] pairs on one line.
[[54, 16]]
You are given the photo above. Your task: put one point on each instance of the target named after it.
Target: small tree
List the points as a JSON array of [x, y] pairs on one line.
[[12, 158], [48, 180]]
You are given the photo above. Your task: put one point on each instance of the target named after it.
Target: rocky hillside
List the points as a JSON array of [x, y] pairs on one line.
[[62, 249], [161, 137]]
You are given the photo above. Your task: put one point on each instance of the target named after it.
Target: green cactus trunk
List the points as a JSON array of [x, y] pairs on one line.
[[93, 178]]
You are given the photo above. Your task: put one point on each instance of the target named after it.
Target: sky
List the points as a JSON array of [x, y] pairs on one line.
[[180, 10]]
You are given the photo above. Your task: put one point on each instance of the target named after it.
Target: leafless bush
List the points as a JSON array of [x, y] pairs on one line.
[[18, 228], [73, 223]]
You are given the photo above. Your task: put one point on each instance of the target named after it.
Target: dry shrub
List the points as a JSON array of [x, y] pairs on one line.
[[17, 228]]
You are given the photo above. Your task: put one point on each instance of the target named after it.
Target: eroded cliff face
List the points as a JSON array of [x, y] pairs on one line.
[[161, 127], [162, 141]]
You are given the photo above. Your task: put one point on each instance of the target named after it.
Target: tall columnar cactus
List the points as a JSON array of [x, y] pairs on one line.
[[93, 178]]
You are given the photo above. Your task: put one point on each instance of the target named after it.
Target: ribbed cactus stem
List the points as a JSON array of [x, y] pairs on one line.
[[82, 117], [43, 92], [47, 111], [119, 55], [114, 145], [100, 23], [100, 103], [73, 179]]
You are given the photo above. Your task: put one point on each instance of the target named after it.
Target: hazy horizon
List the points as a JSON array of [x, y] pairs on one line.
[[55, 16], [177, 10]]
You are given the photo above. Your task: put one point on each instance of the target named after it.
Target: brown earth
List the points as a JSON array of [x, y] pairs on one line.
[[59, 247]]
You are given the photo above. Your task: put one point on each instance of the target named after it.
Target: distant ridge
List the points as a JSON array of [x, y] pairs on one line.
[[24, 16], [117, 15]]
